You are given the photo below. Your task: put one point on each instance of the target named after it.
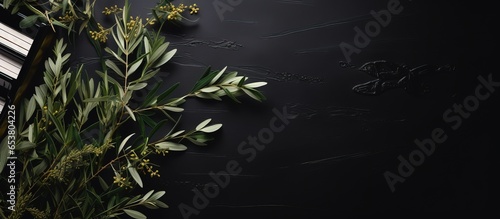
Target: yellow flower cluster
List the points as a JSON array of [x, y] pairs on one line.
[[43, 121], [101, 35], [74, 160], [21, 204], [134, 27], [111, 10], [133, 156], [146, 166], [67, 18], [132, 23], [97, 151], [163, 152], [194, 9], [150, 21], [122, 181], [174, 12], [38, 214]]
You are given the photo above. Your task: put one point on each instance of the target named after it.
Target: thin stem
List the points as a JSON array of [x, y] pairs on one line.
[[105, 166]]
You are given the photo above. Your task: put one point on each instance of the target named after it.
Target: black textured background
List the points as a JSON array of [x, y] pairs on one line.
[[331, 158]]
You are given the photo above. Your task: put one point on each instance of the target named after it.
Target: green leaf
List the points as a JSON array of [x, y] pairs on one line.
[[147, 195], [212, 128], [25, 145], [31, 134], [126, 12], [254, 94], [176, 101], [75, 82], [218, 75], [119, 40], [177, 133], [28, 21], [196, 141], [161, 204], [148, 75], [64, 6], [166, 93], [114, 67], [230, 95], [149, 100], [106, 77], [58, 23], [35, 10], [135, 214], [165, 58], [173, 109], [6, 5], [234, 79], [158, 52], [124, 142], [101, 99], [228, 76], [134, 66], [150, 205], [157, 127], [171, 146], [40, 168], [204, 80], [255, 84], [52, 67], [39, 99], [103, 183], [208, 96], [157, 195], [242, 81], [135, 41], [147, 48], [137, 86], [147, 118], [107, 49], [210, 89], [130, 113], [59, 125], [133, 200], [30, 108], [135, 175], [203, 124]]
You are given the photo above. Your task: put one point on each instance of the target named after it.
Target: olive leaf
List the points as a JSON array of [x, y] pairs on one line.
[[171, 146], [135, 175], [124, 142], [212, 128], [29, 21], [134, 214], [216, 84]]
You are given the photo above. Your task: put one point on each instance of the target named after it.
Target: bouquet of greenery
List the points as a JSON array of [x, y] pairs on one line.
[[62, 174]]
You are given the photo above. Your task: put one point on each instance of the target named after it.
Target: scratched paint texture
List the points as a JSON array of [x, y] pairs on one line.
[[331, 158]]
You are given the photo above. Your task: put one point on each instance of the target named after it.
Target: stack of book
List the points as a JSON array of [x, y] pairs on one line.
[[14, 48], [22, 53]]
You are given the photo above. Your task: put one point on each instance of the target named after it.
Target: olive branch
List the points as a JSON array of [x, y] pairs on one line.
[[66, 175]]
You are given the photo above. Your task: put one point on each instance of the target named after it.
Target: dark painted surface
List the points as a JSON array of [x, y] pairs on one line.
[[332, 157]]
